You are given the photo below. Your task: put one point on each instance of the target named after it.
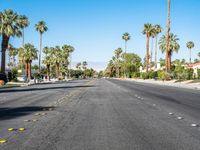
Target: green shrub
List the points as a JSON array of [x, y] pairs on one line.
[[153, 74], [190, 73], [161, 75], [135, 75], [12, 76], [198, 73], [145, 75]]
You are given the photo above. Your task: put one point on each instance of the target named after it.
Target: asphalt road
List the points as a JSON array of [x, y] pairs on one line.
[[100, 114]]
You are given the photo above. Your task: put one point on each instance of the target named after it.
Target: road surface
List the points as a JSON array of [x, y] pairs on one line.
[[100, 114]]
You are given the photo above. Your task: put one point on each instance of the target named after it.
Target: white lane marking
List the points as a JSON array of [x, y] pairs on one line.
[[180, 118], [194, 125]]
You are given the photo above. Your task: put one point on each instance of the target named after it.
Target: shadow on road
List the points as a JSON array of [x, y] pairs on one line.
[[10, 113], [42, 88]]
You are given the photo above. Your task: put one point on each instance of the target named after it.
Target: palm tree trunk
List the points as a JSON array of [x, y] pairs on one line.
[[4, 46], [48, 72], [190, 56], [26, 66], [29, 70], [170, 60], [156, 44], [40, 52], [167, 39], [57, 70], [118, 68], [125, 59], [151, 53], [147, 53], [22, 37]]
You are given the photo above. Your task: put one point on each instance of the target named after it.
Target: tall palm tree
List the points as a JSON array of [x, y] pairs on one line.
[[167, 64], [41, 27], [68, 49], [29, 53], [47, 60], [158, 30], [67, 52], [23, 22], [8, 28], [152, 35], [118, 53], [147, 31], [172, 47], [190, 46], [126, 37]]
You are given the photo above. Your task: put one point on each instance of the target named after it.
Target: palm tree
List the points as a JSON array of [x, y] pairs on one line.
[[8, 28], [23, 22], [190, 46], [158, 29], [111, 67], [68, 49], [172, 47], [152, 35], [126, 37], [47, 60], [29, 53], [118, 53], [78, 66], [147, 31], [57, 58], [41, 28], [84, 64], [167, 64]]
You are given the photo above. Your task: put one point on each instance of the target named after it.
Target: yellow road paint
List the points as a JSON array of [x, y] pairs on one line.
[[11, 129], [3, 141], [21, 129]]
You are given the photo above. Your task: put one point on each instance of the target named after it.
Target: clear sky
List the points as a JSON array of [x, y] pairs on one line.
[[95, 27]]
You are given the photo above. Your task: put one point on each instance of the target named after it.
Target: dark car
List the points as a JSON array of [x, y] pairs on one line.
[[3, 77]]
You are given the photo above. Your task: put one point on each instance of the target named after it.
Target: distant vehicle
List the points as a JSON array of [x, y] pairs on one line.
[[3, 78], [22, 78]]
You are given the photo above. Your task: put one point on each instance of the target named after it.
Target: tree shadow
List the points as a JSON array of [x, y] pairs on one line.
[[8, 113], [42, 88]]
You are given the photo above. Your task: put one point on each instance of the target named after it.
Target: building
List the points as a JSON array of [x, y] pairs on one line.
[[195, 67]]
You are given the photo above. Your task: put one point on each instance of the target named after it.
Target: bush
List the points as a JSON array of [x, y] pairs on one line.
[[153, 74], [12, 76], [161, 75], [145, 75], [198, 73], [190, 73], [135, 75]]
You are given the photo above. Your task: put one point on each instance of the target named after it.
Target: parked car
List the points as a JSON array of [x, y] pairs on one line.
[[3, 79]]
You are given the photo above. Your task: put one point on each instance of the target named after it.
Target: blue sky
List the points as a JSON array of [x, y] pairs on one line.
[[95, 27]]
